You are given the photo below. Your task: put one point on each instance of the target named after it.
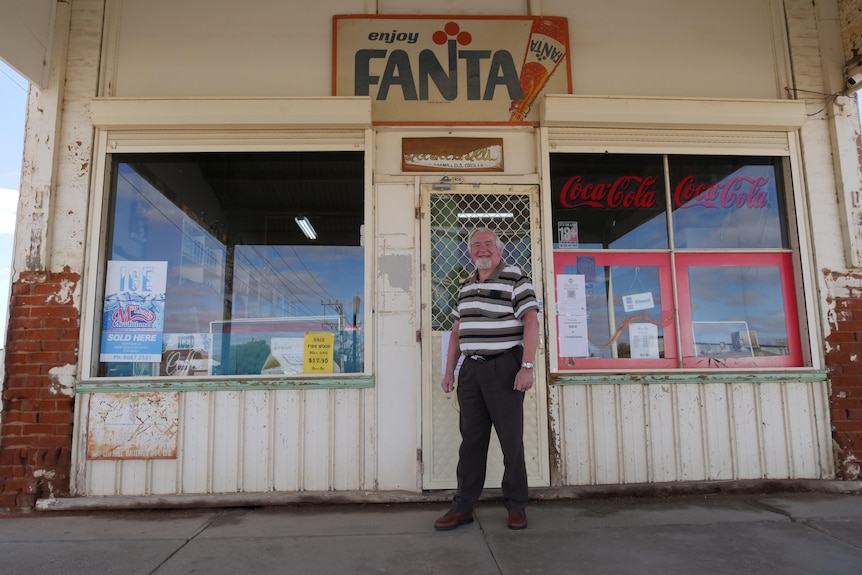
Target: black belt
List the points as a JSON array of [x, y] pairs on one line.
[[483, 358]]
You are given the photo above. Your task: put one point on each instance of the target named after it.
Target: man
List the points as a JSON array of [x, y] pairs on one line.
[[497, 329]]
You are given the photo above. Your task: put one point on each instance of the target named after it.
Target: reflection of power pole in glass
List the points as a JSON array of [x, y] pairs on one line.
[[338, 307], [356, 303], [336, 326], [545, 49]]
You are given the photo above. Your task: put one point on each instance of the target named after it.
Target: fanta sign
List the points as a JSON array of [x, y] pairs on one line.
[[471, 70]]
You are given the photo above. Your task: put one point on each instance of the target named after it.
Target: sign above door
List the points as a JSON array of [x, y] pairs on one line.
[[473, 70]]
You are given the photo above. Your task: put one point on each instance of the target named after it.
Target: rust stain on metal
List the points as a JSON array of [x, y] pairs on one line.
[[133, 426]]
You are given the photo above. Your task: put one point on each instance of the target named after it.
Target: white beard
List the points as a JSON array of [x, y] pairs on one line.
[[484, 263]]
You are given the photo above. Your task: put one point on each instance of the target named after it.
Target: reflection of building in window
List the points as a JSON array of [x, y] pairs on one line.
[[745, 340], [723, 338]]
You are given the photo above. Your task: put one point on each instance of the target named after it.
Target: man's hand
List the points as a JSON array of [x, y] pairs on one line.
[[448, 383], [524, 379]]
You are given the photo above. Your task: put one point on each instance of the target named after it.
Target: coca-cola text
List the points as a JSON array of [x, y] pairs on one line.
[[640, 192], [625, 192], [738, 191]]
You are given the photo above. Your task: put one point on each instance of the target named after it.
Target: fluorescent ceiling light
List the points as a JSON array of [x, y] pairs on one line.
[[468, 215], [306, 227]]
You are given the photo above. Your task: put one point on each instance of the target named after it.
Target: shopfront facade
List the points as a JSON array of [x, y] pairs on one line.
[[242, 228]]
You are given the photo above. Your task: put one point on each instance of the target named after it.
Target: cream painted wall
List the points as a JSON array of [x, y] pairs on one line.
[[249, 48], [261, 47], [696, 48], [26, 28]]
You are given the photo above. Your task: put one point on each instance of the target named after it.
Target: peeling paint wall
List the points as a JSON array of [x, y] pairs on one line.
[[840, 279], [45, 307], [850, 12], [843, 348]]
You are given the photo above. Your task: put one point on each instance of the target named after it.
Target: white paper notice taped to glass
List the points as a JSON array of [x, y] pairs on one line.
[[571, 295], [573, 336], [643, 338]]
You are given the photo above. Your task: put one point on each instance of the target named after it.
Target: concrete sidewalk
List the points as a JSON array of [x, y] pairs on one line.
[[775, 533]]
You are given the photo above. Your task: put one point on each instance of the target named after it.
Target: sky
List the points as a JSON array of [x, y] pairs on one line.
[[13, 110]]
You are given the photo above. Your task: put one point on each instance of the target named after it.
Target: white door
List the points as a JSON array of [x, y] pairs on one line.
[[448, 216]]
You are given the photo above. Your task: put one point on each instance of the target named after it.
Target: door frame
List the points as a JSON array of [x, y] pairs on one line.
[[440, 435]]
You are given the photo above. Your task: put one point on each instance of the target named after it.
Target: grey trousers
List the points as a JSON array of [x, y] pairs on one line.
[[486, 397]]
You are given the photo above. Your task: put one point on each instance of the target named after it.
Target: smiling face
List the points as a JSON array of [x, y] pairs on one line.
[[485, 250]]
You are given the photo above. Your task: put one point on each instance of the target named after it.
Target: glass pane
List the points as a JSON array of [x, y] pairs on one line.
[[737, 312], [245, 290], [727, 202], [624, 311], [608, 201], [453, 216]]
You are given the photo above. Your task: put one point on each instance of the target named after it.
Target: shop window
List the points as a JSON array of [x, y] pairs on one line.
[[672, 262], [224, 264]]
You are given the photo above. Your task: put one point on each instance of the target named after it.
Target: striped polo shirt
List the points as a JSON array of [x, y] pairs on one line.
[[490, 312]]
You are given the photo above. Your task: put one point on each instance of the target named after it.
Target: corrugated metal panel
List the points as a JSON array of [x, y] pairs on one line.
[[252, 441], [618, 434]]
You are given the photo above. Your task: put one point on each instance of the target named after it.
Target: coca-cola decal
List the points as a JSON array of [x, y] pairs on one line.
[[733, 192], [625, 192], [641, 192]]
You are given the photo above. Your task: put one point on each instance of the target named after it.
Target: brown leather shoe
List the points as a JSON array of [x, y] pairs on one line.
[[452, 520], [518, 519]]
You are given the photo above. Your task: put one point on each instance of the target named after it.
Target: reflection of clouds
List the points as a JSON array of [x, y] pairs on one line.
[[307, 275], [745, 297], [751, 294], [699, 226]]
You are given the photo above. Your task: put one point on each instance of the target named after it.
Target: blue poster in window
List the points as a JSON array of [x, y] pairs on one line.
[[134, 315]]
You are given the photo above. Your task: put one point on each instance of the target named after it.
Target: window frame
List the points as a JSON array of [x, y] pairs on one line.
[[679, 260], [618, 258], [161, 126], [681, 126], [783, 261]]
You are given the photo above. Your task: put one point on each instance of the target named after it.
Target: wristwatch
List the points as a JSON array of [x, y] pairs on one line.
[[527, 364]]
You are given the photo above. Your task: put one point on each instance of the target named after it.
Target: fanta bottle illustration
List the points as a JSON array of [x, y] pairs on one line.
[[545, 49]]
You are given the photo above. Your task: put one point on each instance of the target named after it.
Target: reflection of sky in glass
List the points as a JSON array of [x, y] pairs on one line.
[[300, 279], [651, 234], [700, 226], [740, 294], [285, 280]]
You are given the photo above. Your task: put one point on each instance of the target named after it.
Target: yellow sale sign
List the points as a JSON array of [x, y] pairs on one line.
[[319, 352]]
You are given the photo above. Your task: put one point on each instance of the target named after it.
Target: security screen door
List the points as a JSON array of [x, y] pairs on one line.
[[448, 216]]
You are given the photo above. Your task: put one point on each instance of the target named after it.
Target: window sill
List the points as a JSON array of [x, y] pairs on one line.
[[126, 385], [718, 376]]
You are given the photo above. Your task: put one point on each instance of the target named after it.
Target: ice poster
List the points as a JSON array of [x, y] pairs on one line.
[[134, 315]]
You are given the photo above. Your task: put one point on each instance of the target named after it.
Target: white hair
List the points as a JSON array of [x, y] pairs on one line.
[[500, 244]]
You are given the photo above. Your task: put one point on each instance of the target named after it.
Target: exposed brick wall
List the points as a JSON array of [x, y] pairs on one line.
[[844, 362], [38, 404]]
